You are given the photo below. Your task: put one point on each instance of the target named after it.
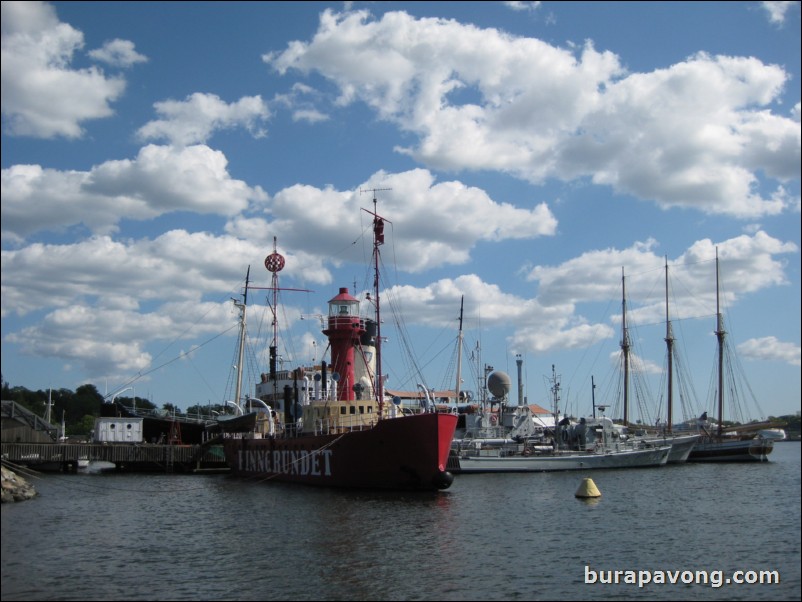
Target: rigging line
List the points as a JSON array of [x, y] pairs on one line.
[[198, 321], [200, 374], [180, 356]]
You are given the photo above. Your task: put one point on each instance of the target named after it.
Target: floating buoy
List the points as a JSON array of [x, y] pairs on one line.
[[587, 489]]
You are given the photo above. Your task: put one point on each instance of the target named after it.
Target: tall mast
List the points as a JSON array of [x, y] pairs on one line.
[[378, 240], [720, 333], [459, 352], [625, 346], [480, 391], [670, 351], [555, 391], [241, 351], [274, 263]]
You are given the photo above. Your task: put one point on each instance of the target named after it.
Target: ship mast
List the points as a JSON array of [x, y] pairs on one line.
[[241, 350], [720, 334], [378, 240], [625, 346], [555, 391], [274, 263], [670, 351], [459, 352]]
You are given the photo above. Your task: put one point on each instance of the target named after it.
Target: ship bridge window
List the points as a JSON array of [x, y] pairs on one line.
[[342, 409], [353, 409], [361, 409]]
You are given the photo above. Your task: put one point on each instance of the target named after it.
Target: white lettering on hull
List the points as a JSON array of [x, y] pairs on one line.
[[303, 463]]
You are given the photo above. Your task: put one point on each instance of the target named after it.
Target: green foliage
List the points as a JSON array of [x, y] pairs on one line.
[[78, 409], [171, 409], [792, 422], [82, 428]]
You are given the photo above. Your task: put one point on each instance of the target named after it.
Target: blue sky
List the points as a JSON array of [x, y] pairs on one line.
[[533, 152]]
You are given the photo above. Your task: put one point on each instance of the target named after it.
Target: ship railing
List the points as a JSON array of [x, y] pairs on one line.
[[167, 415], [343, 424], [486, 432]]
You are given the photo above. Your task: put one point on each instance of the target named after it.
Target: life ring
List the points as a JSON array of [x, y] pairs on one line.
[[493, 420]]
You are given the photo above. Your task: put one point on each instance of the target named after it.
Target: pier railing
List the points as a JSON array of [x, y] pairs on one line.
[[124, 456]]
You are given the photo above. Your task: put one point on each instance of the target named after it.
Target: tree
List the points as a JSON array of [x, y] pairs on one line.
[[86, 401], [83, 428]]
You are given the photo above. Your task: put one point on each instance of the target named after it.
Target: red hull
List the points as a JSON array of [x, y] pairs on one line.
[[407, 453]]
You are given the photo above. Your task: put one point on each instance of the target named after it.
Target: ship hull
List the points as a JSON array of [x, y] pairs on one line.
[[469, 463], [736, 450], [407, 453], [681, 446]]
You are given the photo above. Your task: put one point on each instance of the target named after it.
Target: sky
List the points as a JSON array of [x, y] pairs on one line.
[[555, 166]]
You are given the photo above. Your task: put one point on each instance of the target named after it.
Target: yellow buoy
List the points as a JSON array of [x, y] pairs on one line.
[[588, 489]]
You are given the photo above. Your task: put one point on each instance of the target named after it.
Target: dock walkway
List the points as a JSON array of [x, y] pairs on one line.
[[126, 457]]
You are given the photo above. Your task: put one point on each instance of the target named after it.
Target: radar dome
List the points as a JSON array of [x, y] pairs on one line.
[[498, 383]]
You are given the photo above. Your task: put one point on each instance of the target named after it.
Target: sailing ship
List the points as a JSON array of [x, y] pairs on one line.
[[681, 444], [735, 443], [588, 444], [346, 435]]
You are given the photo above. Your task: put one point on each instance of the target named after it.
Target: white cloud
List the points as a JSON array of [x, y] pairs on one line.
[[109, 343], [302, 100], [520, 5], [118, 53], [309, 115], [778, 10], [176, 266], [161, 179], [595, 275], [437, 223], [771, 349], [697, 134], [197, 118], [107, 300], [41, 95]]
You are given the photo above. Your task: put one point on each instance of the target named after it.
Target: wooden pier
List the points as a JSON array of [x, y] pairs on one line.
[[141, 457]]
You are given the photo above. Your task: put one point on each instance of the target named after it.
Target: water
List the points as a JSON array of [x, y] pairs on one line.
[[489, 537]]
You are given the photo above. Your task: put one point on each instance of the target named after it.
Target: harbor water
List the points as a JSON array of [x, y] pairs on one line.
[[108, 536]]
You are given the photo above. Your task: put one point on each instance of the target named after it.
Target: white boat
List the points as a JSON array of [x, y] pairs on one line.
[[589, 444], [773, 434], [503, 460], [681, 444]]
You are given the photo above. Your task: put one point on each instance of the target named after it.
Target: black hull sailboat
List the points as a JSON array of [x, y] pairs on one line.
[[728, 444]]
